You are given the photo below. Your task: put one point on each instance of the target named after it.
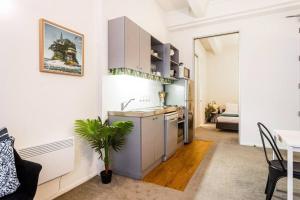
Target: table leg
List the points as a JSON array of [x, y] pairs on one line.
[[290, 174]]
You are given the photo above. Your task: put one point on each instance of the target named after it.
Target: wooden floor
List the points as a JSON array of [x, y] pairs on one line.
[[178, 170]]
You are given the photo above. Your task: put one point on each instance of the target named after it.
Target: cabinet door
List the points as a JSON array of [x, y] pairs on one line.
[[159, 137], [132, 45], [127, 161], [116, 43], [148, 135], [145, 51]]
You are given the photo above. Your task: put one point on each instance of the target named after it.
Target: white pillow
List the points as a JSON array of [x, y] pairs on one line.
[[232, 108]]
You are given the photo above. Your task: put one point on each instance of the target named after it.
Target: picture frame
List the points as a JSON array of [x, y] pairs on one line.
[[61, 49]]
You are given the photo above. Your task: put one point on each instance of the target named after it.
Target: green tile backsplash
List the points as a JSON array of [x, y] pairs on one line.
[[131, 72]]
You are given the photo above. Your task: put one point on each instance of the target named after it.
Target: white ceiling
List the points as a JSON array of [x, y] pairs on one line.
[[187, 13], [196, 8], [170, 5]]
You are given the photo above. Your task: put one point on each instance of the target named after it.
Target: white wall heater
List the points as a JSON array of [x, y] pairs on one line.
[[57, 158]]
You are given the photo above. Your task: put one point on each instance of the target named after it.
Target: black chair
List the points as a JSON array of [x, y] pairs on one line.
[[28, 175], [277, 167]]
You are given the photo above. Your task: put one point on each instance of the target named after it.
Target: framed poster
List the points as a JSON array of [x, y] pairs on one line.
[[61, 49]]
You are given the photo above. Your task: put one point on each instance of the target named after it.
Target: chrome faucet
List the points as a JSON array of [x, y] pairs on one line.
[[125, 104]]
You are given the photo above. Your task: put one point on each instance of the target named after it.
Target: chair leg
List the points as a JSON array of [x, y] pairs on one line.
[[267, 186], [272, 185]]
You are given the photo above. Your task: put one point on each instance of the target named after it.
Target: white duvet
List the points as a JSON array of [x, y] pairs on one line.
[[228, 119]]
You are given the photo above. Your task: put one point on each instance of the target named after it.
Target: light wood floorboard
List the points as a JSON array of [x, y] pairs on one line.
[[178, 170]]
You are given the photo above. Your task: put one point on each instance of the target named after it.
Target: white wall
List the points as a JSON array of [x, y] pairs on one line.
[[40, 107], [268, 68], [223, 76]]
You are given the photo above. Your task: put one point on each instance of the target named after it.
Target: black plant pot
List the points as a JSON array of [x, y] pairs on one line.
[[106, 177]]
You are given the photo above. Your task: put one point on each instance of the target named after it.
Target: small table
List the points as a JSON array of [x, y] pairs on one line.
[[292, 141]]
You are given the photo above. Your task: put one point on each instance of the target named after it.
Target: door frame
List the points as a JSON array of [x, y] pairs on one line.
[[196, 95], [239, 67]]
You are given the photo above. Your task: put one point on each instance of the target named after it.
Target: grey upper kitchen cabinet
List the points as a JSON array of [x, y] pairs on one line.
[[145, 51], [123, 43], [143, 149], [129, 46], [132, 44]]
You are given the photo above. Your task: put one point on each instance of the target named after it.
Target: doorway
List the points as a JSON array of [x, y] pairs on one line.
[[216, 64]]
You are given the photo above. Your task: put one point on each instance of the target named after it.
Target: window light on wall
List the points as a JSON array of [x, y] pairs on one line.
[[6, 6]]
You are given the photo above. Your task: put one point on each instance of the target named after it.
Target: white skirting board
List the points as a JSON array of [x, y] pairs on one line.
[[75, 184]]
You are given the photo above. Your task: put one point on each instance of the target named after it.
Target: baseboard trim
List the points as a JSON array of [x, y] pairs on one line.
[[72, 186]]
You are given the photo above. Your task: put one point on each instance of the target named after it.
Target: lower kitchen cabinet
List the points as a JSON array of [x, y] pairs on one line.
[[152, 132], [144, 147]]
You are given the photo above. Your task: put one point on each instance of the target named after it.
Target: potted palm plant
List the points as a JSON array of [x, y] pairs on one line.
[[104, 136]]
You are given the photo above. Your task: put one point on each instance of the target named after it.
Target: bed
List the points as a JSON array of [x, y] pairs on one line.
[[229, 120]]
